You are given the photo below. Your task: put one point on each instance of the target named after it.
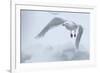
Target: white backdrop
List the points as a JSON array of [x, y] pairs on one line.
[[5, 36]]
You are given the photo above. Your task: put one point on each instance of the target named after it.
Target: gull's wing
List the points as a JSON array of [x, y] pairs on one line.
[[53, 23], [80, 32]]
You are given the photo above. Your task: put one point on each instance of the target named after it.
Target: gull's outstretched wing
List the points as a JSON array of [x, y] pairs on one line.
[[53, 23], [80, 32]]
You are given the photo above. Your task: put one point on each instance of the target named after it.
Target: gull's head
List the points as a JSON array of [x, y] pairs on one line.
[[76, 31], [72, 27]]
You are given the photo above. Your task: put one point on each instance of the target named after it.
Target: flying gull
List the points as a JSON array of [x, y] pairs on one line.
[[69, 25]]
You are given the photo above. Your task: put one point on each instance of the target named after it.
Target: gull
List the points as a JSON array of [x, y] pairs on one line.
[[69, 25]]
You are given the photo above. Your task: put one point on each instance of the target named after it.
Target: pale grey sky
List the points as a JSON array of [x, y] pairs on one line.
[[32, 22]]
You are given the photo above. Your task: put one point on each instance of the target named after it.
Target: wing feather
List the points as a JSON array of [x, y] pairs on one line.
[[80, 32], [53, 23]]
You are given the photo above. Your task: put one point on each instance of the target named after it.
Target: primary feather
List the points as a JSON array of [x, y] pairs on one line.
[[53, 23]]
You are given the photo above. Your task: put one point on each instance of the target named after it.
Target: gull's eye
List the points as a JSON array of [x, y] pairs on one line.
[[74, 35], [71, 35]]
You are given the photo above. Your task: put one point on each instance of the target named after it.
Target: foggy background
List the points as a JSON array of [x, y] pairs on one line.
[[56, 45]]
